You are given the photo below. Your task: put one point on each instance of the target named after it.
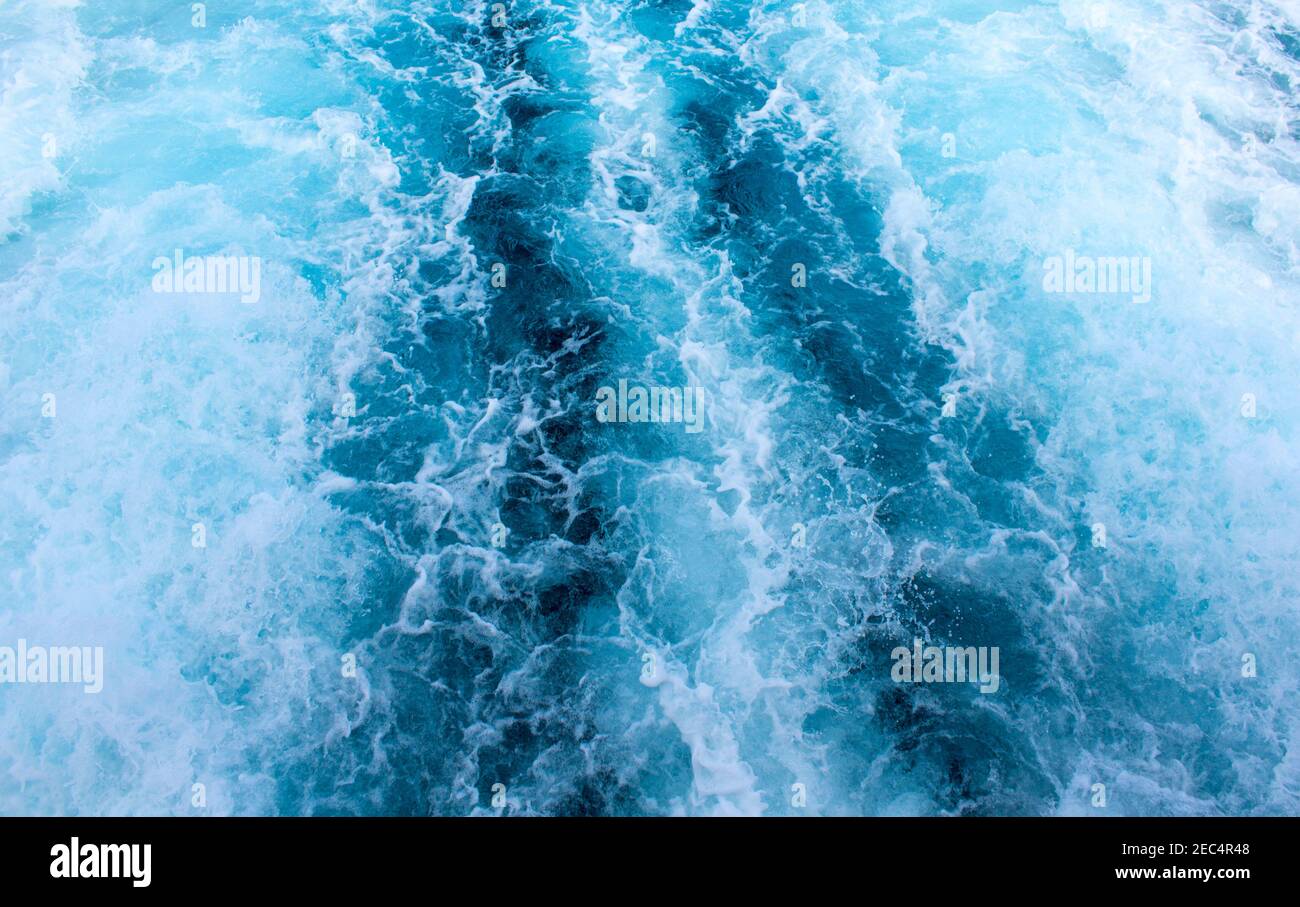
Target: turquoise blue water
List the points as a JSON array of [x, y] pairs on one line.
[[833, 218]]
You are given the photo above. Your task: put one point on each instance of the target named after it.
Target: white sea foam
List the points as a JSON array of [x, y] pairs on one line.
[[176, 426]]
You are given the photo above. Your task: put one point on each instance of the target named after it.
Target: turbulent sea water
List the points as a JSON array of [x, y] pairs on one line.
[[584, 617]]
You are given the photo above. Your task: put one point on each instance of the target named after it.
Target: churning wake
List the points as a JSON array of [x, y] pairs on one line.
[[574, 407]]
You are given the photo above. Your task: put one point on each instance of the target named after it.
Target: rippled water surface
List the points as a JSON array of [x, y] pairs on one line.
[[362, 545]]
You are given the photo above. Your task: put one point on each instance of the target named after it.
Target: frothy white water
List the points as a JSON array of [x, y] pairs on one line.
[[159, 451]]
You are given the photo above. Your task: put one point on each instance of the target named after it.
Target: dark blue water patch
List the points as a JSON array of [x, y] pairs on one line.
[[443, 356], [990, 458], [448, 717], [1287, 38], [633, 193], [860, 344], [747, 188], [505, 708], [390, 447], [979, 760]]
